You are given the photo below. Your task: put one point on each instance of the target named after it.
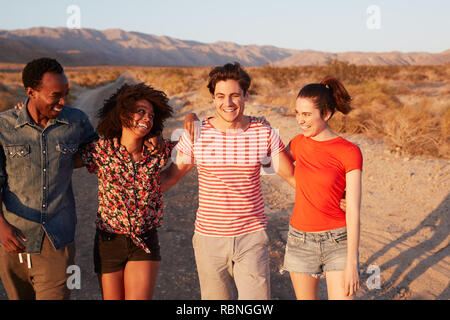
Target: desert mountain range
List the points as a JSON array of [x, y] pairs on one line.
[[76, 47]]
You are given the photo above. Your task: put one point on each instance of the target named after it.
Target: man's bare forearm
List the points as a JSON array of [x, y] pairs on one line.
[[176, 171], [284, 168]]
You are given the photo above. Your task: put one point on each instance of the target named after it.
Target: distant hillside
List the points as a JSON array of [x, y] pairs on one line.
[[366, 58], [117, 47]]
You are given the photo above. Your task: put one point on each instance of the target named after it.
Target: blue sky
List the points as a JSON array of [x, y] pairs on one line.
[[324, 25]]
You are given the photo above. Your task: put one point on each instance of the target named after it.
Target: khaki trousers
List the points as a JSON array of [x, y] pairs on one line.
[[37, 276], [223, 262]]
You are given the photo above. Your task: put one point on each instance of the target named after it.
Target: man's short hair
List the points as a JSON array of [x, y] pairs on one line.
[[227, 72], [34, 71]]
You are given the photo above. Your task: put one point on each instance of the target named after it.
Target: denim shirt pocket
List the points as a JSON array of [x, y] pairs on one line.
[[66, 154], [18, 158]]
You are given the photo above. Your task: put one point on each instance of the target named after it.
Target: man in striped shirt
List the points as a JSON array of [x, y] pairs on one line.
[[230, 242]]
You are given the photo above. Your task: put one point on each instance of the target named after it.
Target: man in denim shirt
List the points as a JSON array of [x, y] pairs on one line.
[[37, 217]]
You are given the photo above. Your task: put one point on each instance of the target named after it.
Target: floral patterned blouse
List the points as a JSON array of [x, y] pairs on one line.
[[129, 194]]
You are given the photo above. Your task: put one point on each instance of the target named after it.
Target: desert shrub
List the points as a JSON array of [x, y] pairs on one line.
[[172, 80], [409, 130], [344, 71], [10, 95], [91, 78], [421, 128]]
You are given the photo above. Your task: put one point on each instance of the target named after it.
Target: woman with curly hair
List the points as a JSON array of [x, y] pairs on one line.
[[126, 247]]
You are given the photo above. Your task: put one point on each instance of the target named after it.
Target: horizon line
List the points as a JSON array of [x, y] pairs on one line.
[[223, 41]]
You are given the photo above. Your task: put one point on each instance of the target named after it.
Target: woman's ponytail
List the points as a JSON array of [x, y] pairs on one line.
[[340, 95], [328, 96]]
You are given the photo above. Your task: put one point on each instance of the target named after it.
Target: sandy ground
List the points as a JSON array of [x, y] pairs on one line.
[[404, 250]]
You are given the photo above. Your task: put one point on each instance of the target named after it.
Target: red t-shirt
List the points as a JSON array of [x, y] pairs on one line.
[[320, 169]]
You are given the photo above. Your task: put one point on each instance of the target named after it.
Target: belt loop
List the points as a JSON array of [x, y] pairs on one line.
[[304, 237], [330, 235]]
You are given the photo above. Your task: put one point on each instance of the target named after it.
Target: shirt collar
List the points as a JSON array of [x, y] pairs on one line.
[[63, 116], [122, 151], [25, 118]]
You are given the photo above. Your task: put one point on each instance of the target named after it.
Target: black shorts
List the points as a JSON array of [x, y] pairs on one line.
[[112, 250]]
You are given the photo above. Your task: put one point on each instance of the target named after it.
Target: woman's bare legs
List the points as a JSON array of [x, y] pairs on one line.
[[335, 286], [140, 279], [305, 286], [135, 282], [112, 285]]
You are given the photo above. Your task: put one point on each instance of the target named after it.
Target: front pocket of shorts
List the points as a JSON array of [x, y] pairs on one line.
[[106, 241], [294, 241], [340, 237], [194, 241]]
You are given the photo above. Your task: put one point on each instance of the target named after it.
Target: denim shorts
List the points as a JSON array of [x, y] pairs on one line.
[[315, 252]]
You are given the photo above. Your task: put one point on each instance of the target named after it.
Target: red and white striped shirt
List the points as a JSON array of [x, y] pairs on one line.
[[228, 164]]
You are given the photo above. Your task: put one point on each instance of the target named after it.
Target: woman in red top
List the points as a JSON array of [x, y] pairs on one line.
[[126, 247], [322, 238]]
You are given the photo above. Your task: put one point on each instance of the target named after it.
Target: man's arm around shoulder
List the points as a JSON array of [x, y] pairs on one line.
[[283, 166], [177, 170]]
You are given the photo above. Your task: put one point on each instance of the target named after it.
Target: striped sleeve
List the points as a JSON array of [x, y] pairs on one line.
[[185, 146], [275, 144]]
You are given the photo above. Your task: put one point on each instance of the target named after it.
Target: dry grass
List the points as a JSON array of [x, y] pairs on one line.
[[11, 89], [406, 106]]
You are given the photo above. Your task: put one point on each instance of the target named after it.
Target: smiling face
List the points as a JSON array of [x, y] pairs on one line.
[[309, 118], [141, 120], [48, 100], [229, 99]]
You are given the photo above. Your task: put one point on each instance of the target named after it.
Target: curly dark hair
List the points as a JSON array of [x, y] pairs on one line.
[[34, 71], [226, 72], [117, 110]]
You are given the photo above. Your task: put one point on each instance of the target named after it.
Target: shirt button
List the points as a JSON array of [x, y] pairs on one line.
[[45, 169], [43, 152], [45, 188], [43, 206]]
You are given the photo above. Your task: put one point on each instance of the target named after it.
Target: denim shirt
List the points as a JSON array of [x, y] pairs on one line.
[[36, 166]]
